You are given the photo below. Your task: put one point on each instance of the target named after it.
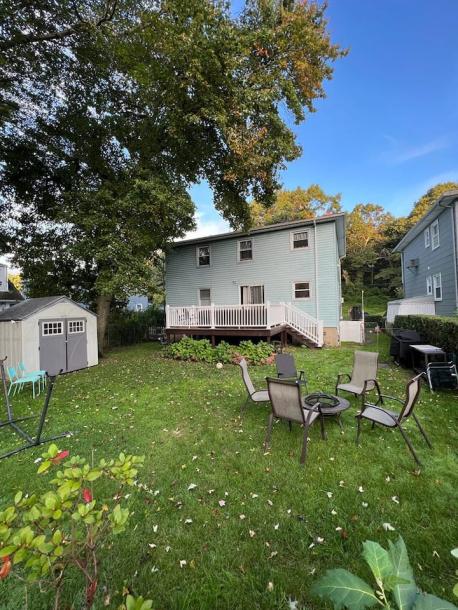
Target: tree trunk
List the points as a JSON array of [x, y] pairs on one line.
[[103, 311]]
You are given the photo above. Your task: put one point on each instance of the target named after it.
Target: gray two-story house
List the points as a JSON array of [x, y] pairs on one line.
[[282, 278], [429, 259]]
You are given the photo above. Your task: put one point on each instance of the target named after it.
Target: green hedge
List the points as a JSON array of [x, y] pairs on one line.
[[128, 327], [436, 330], [201, 350]]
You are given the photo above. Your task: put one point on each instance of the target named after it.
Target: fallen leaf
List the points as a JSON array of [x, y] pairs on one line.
[[388, 527]]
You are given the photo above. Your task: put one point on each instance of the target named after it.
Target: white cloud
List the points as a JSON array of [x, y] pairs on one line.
[[401, 154], [208, 227]]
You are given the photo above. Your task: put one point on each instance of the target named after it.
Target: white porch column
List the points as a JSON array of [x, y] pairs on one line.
[[167, 316], [268, 315], [212, 315]]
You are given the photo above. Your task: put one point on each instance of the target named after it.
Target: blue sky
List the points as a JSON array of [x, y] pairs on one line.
[[388, 129]]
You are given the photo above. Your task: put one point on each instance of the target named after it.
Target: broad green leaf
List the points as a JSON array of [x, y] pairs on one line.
[[431, 602], [43, 467], [7, 550], [379, 561], [404, 594], [345, 590], [455, 590], [18, 497]]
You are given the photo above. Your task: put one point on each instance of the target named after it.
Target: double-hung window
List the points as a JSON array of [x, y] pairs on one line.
[[299, 239], [427, 238], [435, 242], [437, 287], [301, 290], [429, 285], [203, 256], [245, 250], [205, 297]]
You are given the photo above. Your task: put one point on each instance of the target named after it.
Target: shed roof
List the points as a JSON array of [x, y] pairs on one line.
[[27, 308], [444, 201]]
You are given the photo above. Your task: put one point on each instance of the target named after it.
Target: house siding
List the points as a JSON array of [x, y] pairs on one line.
[[274, 265], [441, 260]]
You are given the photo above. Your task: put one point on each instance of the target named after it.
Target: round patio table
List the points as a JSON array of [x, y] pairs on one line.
[[330, 406]]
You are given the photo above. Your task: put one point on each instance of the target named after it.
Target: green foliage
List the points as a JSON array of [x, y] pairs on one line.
[[45, 535], [201, 350], [137, 603], [436, 330], [128, 327], [393, 576], [422, 206]]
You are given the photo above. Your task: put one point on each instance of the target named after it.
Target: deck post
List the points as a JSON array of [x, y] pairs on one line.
[[268, 321], [212, 315], [167, 316], [320, 337]]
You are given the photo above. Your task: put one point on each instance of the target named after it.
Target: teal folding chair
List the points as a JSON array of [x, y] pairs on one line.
[[24, 373], [18, 383]]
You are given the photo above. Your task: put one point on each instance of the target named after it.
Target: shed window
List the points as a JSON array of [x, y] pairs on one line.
[[429, 285], [301, 290], [300, 239], [52, 328], [427, 238], [437, 286], [204, 297], [245, 250], [76, 326], [435, 235], [203, 256]]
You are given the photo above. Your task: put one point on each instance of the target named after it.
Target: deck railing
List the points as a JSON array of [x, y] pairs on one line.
[[265, 315]]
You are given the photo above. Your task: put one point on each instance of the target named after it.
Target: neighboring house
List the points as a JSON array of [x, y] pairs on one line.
[[9, 294], [429, 261], [282, 278], [138, 302]]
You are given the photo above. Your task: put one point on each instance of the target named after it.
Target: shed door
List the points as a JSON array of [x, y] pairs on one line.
[[76, 344], [53, 347]]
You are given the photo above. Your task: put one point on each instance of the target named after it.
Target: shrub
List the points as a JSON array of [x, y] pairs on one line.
[[201, 350], [437, 330], [128, 327], [44, 536]]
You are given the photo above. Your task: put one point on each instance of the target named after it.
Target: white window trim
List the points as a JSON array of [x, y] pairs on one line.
[[429, 285], [427, 237], [76, 332], [291, 240], [294, 290], [437, 285], [246, 260], [61, 332], [435, 224], [198, 295], [197, 256]]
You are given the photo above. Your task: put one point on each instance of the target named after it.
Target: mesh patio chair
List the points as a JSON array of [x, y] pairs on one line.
[[286, 401], [253, 394], [363, 377], [393, 419], [286, 369]]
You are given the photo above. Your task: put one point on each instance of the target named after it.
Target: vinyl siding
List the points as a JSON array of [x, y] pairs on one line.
[[440, 260], [274, 265]]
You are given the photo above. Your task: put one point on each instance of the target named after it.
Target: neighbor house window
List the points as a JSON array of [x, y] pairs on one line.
[[427, 238], [204, 297], [435, 235], [429, 285], [203, 256], [301, 290], [299, 239], [245, 250], [251, 295], [53, 328], [76, 326], [139, 307], [437, 287]]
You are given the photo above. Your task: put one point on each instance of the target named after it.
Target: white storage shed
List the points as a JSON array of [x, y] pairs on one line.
[[49, 333]]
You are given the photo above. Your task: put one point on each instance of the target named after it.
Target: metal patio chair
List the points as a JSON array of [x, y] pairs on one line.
[[286, 369], [18, 383], [24, 373], [363, 377], [286, 400], [253, 394], [393, 419]]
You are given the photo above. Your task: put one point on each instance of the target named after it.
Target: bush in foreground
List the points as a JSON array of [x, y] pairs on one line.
[[201, 350]]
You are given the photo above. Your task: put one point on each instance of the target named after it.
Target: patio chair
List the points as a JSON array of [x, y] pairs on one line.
[[286, 369], [18, 383], [286, 400], [363, 377], [24, 373], [253, 394], [392, 419]]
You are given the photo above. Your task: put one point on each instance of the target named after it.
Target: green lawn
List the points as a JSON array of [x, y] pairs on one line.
[[184, 417]]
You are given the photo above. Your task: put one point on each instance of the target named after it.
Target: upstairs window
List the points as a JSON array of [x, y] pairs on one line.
[[435, 235], [437, 287], [429, 285], [245, 250], [427, 238], [203, 256], [301, 290], [299, 239]]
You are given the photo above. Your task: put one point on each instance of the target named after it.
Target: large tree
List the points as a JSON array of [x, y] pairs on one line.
[[423, 204], [126, 104]]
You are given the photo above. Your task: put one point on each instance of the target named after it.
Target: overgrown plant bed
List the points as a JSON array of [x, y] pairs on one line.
[[201, 350]]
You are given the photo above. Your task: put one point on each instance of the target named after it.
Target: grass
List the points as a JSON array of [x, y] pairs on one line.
[[375, 300], [184, 417]]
